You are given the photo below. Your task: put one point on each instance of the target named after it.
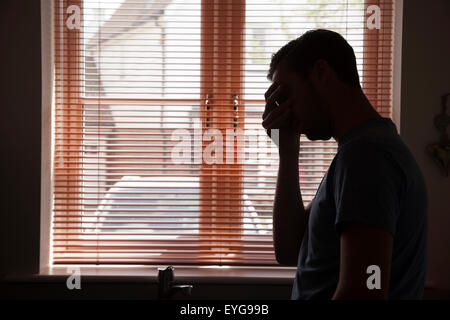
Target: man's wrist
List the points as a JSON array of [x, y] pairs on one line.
[[289, 153]]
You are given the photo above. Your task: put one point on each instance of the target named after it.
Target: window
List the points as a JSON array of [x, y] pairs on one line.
[[159, 153]]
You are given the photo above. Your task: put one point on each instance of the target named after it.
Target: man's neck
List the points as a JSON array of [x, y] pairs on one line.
[[351, 109]]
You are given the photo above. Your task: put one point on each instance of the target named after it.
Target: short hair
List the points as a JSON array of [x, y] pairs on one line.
[[303, 52]]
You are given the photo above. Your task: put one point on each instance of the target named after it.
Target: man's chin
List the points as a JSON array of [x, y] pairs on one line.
[[314, 136]]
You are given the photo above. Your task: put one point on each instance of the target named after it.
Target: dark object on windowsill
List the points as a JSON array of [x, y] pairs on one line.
[[440, 151], [166, 289]]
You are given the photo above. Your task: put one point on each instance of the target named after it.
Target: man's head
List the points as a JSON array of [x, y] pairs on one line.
[[312, 68], [303, 52]]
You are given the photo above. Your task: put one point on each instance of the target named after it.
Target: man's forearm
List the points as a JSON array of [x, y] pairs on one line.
[[289, 214]]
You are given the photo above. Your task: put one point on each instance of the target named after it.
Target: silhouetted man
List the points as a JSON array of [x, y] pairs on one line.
[[369, 215]]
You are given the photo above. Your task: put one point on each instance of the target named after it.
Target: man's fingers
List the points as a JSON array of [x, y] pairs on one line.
[[279, 121], [269, 91], [270, 101], [276, 112], [274, 95]]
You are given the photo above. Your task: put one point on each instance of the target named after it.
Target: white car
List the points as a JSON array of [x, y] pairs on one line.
[[143, 207]]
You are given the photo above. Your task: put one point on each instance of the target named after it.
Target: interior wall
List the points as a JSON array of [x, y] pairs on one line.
[[20, 131], [425, 77]]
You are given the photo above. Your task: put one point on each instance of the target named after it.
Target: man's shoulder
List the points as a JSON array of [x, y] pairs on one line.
[[381, 161], [381, 139], [366, 149], [369, 159], [387, 150]]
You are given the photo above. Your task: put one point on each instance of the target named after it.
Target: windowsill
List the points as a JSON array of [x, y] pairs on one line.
[[149, 274]]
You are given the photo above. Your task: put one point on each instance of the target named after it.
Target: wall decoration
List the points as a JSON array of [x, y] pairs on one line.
[[440, 151]]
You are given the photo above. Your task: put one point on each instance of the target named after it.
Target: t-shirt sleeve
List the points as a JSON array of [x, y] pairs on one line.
[[367, 187]]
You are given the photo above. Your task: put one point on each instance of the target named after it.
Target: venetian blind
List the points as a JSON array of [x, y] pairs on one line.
[[159, 153]]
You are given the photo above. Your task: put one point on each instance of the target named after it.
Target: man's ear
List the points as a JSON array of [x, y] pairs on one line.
[[321, 74]]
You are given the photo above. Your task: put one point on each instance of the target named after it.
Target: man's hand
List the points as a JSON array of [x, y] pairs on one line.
[[278, 107], [278, 115]]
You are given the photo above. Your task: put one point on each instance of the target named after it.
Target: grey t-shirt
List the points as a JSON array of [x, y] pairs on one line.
[[373, 180]]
